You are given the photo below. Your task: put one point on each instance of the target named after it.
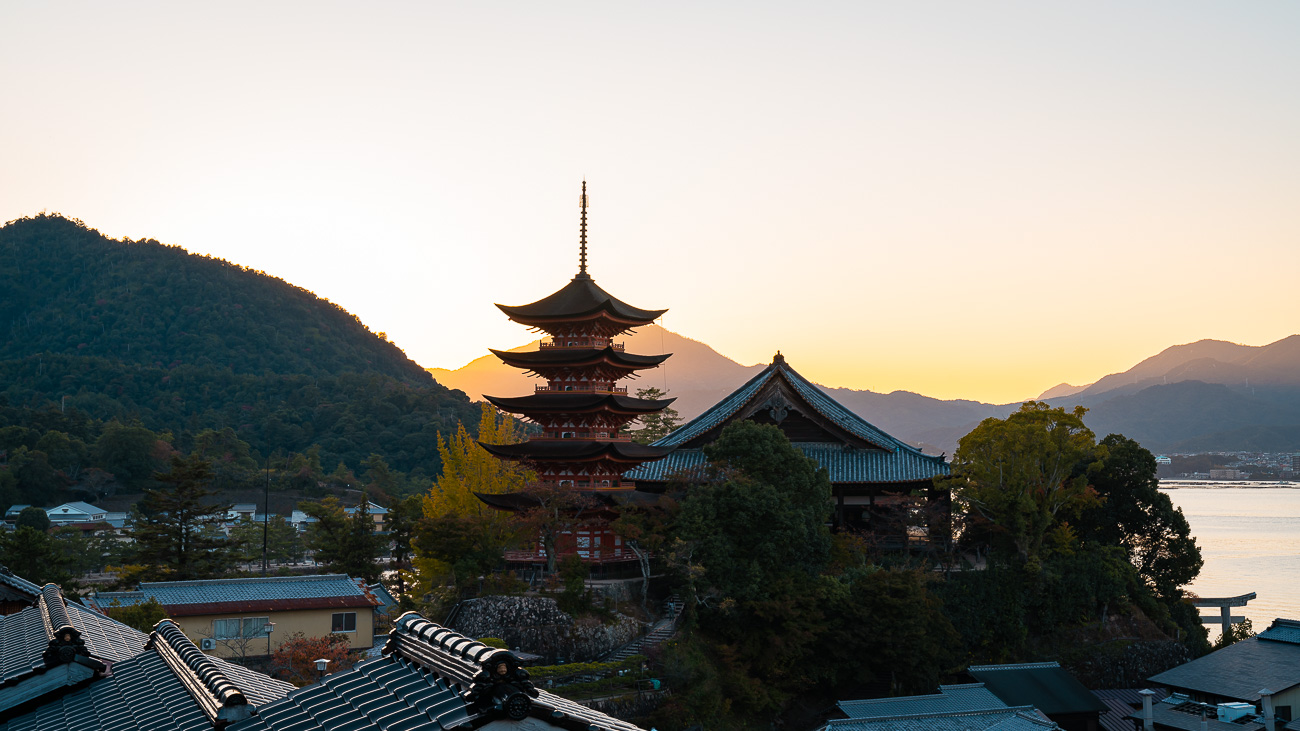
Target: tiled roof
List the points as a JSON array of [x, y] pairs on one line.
[[158, 682], [1120, 704], [1020, 718], [950, 698], [1282, 630], [18, 583], [844, 465], [429, 678], [886, 460], [189, 598], [1239, 670], [1047, 686]]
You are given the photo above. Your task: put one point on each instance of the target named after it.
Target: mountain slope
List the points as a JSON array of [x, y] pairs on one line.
[[139, 331]]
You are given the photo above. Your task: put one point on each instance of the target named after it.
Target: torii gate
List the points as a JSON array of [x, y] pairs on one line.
[[1225, 619]]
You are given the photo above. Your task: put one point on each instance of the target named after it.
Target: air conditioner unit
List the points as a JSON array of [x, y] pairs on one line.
[[207, 643]]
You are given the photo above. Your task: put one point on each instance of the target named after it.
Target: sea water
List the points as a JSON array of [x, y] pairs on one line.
[[1250, 539]]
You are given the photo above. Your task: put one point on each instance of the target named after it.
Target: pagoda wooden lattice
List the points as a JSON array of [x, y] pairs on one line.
[[582, 411]]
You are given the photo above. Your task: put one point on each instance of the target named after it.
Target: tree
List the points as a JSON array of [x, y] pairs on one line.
[[283, 543], [556, 510], [142, 616], [467, 469], [34, 517], [1022, 476], [127, 452], [176, 528], [1235, 633], [294, 659], [1135, 515], [346, 544], [37, 557], [658, 425], [764, 513], [403, 520]]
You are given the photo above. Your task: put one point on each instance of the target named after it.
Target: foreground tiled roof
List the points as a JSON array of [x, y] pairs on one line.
[[950, 698], [1120, 704], [1045, 685], [1240, 670], [1019, 718], [429, 678], [271, 593], [67, 667]]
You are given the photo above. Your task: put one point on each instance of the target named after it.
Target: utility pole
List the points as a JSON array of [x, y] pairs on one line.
[[266, 517]]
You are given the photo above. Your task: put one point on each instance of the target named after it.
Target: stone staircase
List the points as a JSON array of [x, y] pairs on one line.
[[664, 629]]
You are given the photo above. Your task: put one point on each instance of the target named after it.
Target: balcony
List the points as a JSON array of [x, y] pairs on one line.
[[621, 347], [580, 389]]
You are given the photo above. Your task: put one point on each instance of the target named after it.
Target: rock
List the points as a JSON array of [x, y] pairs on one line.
[[535, 624]]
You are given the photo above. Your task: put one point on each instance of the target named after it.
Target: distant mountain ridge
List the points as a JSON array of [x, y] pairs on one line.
[[1197, 395]]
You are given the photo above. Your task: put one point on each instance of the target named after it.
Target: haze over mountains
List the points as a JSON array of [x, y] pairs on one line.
[[1204, 396]]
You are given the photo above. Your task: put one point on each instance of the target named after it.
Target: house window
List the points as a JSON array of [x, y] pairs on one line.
[[233, 629], [344, 622]]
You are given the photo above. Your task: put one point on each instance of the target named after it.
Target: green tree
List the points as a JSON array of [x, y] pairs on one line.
[[37, 557], [403, 521], [127, 452], [142, 616], [1236, 633], [658, 425], [34, 517], [763, 515], [1134, 514], [346, 544], [283, 544], [231, 457], [1020, 477], [176, 528]]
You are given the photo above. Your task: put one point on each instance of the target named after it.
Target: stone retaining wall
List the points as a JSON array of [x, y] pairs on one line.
[[535, 624]]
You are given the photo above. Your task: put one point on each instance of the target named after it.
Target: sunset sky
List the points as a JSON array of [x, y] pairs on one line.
[[963, 199]]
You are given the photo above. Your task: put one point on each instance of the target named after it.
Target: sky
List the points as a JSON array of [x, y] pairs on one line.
[[965, 200]]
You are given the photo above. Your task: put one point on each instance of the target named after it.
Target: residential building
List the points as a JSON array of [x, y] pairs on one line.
[[1046, 686], [968, 707], [252, 616], [67, 667], [1246, 671], [77, 512], [16, 593]]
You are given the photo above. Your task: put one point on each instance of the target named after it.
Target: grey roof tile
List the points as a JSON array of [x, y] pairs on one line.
[[248, 590], [950, 698], [1021, 718], [18, 583], [1239, 670]]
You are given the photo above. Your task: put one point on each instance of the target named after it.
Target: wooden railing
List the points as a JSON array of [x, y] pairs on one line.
[[580, 389]]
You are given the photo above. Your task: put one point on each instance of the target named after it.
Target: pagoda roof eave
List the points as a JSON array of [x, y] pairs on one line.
[[577, 450], [580, 299], [557, 357], [574, 403]]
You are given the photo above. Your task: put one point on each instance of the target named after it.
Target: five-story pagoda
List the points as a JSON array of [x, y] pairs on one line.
[[582, 411]]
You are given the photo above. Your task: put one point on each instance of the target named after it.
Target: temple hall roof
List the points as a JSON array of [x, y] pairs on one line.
[[848, 446], [580, 299]]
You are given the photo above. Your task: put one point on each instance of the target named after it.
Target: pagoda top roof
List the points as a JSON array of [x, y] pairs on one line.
[[568, 402], [580, 299], [578, 357]]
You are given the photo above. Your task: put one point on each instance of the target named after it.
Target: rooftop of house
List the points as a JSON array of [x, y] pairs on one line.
[[13, 584], [1267, 661], [74, 507], [1045, 685], [67, 667], [1019, 718], [428, 677], [1120, 704], [950, 698], [257, 594]]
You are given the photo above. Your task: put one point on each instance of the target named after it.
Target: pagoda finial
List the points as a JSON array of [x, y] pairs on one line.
[[582, 251], [778, 358]]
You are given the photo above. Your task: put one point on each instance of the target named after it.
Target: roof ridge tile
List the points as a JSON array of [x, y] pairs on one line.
[[221, 700]]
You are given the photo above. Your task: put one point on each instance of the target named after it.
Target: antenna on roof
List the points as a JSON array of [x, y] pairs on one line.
[[582, 252]]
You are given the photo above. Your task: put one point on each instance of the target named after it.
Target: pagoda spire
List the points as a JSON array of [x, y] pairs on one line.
[[582, 250]]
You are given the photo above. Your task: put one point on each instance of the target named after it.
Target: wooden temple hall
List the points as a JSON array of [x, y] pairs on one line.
[[880, 483]]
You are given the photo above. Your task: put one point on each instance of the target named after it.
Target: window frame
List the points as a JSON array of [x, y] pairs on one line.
[[336, 622]]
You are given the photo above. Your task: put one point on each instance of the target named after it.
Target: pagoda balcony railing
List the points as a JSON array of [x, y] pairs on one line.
[[604, 436], [593, 555], [580, 389], [581, 344]]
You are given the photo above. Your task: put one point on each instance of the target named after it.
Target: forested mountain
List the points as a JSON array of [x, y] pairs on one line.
[[96, 332]]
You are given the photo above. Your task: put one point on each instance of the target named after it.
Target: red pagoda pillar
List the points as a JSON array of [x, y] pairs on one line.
[[581, 409]]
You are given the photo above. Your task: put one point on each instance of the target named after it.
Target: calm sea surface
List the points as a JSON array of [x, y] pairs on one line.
[[1250, 540]]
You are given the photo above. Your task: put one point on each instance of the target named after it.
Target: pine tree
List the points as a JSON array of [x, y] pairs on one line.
[[177, 527], [658, 425]]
